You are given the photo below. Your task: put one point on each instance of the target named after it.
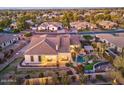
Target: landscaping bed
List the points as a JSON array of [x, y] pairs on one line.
[[89, 66]]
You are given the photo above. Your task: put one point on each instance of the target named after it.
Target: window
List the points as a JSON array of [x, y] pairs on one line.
[[49, 59], [32, 58], [39, 58], [64, 58]]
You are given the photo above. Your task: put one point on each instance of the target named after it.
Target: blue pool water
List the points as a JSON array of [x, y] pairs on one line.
[[80, 59]]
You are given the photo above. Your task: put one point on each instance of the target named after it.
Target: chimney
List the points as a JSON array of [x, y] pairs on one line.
[[57, 47]]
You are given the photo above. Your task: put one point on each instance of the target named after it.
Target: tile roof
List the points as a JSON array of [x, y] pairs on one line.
[[4, 38], [46, 44], [56, 24], [116, 40], [75, 39]]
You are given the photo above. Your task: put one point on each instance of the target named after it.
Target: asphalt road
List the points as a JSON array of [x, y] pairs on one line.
[[82, 33]]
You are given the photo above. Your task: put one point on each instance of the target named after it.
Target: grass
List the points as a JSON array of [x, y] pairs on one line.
[[11, 67], [89, 66]]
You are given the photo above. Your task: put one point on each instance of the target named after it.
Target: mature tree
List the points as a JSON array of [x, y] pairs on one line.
[[116, 76], [28, 34], [5, 23], [76, 16], [21, 21], [119, 62], [1, 29], [83, 78], [66, 20], [122, 53]]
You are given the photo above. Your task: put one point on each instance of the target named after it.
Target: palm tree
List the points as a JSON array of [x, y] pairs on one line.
[[65, 79], [116, 77], [83, 78], [122, 52], [66, 20], [119, 62], [77, 50]]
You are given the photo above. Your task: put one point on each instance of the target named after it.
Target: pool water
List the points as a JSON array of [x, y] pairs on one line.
[[80, 59]]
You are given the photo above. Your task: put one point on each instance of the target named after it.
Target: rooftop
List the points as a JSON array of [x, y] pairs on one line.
[[4, 38], [116, 40], [49, 44]]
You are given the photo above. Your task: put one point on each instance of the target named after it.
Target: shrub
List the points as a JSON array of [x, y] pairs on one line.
[[1, 29], [28, 34], [41, 75], [15, 30]]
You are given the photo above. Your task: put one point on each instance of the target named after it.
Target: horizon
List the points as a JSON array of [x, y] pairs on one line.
[[28, 8]]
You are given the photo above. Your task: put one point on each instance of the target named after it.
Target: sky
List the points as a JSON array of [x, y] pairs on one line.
[[61, 3]]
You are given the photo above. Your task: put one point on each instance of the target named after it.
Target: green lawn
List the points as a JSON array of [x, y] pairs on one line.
[[90, 66], [11, 67]]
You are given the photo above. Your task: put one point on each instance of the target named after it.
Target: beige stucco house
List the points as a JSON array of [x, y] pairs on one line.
[[48, 50], [108, 24], [82, 25]]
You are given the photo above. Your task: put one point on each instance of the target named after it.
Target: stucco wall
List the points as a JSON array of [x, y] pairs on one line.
[[48, 59]]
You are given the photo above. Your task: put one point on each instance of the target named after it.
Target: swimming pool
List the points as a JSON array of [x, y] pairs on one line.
[[80, 59]]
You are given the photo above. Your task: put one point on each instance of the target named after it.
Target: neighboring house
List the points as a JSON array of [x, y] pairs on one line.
[[50, 15], [47, 50], [116, 42], [108, 25], [6, 40], [13, 25], [30, 22], [52, 26], [33, 28], [82, 25]]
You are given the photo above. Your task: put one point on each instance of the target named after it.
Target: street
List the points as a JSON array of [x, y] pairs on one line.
[[81, 33]]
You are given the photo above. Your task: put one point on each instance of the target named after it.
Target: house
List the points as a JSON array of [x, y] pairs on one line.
[[52, 26], [82, 25], [49, 50], [13, 25], [30, 22], [33, 28], [108, 25], [116, 42], [6, 40]]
